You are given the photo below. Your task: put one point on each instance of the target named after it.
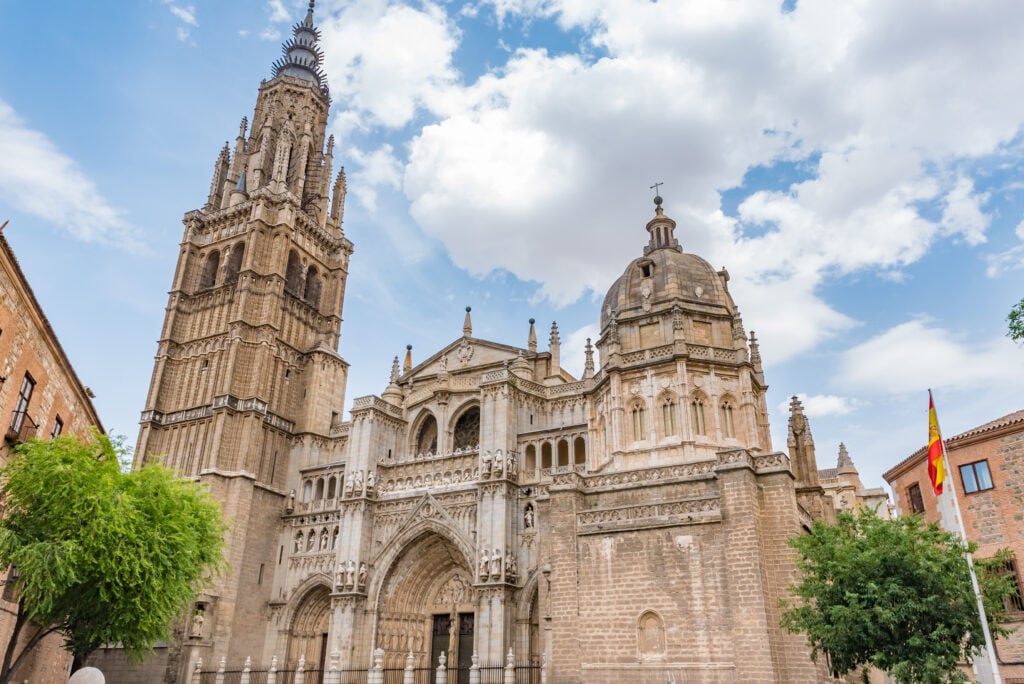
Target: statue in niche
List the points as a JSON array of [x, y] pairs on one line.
[[510, 565], [496, 564], [484, 560], [290, 506], [361, 580], [357, 482], [497, 462], [339, 575], [485, 459], [529, 520], [443, 363], [350, 574], [198, 620], [298, 542], [651, 636], [325, 539], [348, 484], [371, 481], [310, 540], [510, 464]]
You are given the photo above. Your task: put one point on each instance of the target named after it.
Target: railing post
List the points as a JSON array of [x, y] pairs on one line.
[[510, 668], [442, 671], [333, 674], [245, 670], [409, 676], [474, 670], [272, 672], [376, 674], [543, 668], [219, 679], [197, 672], [300, 670]]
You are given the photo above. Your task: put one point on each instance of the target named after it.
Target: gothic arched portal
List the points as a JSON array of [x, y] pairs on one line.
[[308, 632], [426, 604]]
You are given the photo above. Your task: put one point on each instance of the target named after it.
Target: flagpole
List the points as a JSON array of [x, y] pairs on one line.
[[989, 646]]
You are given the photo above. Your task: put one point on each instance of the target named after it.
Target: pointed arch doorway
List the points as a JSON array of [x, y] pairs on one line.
[[427, 605], [308, 633]]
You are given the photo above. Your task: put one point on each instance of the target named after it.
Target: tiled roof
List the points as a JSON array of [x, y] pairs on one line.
[[1015, 418]]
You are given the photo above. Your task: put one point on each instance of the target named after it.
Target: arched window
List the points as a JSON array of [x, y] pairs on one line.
[[307, 492], [312, 293], [311, 540], [426, 440], [319, 489], [725, 411], [208, 279], [334, 538], [293, 275], [563, 452], [545, 455], [650, 636], [467, 429], [332, 485], [579, 451], [697, 416], [531, 458], [639, 421], [233, 264], [668, 415]]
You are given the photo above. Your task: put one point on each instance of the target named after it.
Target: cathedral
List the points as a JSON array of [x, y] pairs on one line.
[[629, 525]]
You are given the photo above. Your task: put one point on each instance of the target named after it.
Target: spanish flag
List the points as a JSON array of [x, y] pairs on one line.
[[936, 467]]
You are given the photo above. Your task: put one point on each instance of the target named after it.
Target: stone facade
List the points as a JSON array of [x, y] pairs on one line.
[[992, 507], [40, 396], [628, 523]]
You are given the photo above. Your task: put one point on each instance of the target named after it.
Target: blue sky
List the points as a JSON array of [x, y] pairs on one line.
[[856, 166]]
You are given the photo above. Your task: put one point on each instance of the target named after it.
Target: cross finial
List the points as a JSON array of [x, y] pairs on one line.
[[657, 195]]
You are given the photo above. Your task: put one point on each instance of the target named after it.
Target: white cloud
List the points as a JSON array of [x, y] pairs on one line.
[[963, 213], [385, 61], [186, 14], [558, 150], [914, 356], [573, 349], [182, 33], [818, 405], [37, 178], [270, 33], [377, 169], [278, 12]]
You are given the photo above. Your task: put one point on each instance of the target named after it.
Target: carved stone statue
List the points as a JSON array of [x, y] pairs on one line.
[[483, 564], [298, 542], [339, 575], [443, 363], [361, 581], [350, 574], [290, 505], [357, 482], [310, 541], [496, 564], [510, 565], [528, 518], [371, 481], [196, 631], [485, 458], [510, 464], [348, 484], [497, 462]]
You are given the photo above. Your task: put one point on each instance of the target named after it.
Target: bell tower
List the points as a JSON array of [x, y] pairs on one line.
[[247, 375]]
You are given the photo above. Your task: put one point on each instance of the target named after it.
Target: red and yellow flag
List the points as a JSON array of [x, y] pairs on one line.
[[936, 467]]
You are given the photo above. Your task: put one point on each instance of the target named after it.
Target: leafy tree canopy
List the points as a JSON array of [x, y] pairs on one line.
[[894, 594], [102, 556], [1015, 322]]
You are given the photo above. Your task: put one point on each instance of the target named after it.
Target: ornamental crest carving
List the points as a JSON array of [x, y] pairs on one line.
[[465, 351]]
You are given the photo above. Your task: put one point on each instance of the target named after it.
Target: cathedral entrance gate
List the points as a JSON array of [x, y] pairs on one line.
[[427, 605], [308, 634]]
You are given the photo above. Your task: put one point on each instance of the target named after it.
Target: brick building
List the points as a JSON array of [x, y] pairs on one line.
[[40, 396], [624, 526], [987, 470]]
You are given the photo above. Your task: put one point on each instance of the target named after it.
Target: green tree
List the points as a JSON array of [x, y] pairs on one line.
[[894, 594], [101, 556], [1015, 322]]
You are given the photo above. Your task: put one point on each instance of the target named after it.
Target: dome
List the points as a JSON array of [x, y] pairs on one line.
[[666, 274]]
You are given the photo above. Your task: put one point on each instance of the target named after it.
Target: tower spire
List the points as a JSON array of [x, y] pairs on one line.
[[303, 57], [661, 229]]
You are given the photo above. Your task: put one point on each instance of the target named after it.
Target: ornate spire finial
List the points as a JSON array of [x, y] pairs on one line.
[[844, 458], [467, 324], [661, 228], [531, 339], [302, 55], [755, 351], [588, 364], [408, 359], [394, 371], [554, 340]]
